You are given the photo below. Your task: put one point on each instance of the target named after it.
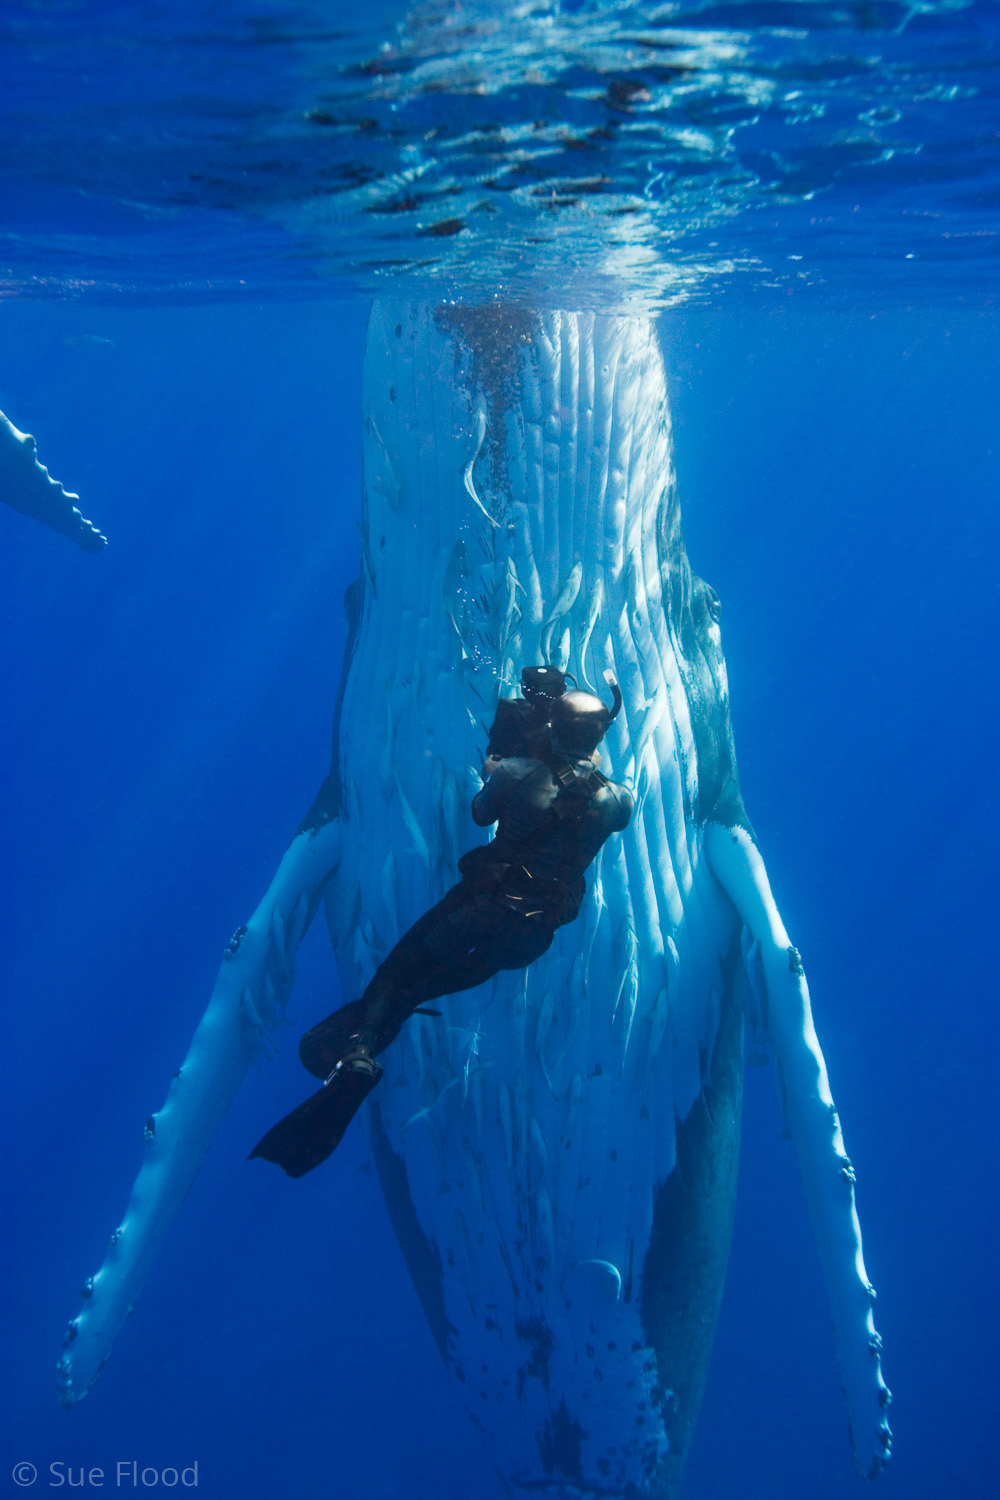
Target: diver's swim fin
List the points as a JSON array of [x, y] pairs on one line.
[[307, 1136], [322, 1048]]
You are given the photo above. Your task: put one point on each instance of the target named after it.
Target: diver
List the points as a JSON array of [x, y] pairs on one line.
[[554, 809], [521, 725]]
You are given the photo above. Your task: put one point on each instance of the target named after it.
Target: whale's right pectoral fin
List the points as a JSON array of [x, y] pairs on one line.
[[812, 1119], [247, 1002], [27, 486]]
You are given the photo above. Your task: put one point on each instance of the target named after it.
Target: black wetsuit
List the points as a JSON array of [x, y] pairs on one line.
[[553, 815], [553, 818]]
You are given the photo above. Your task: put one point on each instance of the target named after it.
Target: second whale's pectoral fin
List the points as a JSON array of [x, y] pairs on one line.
[[685, 1267], [27, 486], [812, 1120], [247, 1002]]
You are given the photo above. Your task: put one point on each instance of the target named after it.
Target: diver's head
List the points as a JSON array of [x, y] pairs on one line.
[[578, 723], [542, 684]]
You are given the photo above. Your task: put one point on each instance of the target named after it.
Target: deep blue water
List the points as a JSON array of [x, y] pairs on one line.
[[167, 718], [167, 713]]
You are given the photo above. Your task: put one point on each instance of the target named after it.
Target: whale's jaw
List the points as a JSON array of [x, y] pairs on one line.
[[520, 507]]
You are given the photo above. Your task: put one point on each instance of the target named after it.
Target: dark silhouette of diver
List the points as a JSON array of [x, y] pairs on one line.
[[555, 809], [521, 725]]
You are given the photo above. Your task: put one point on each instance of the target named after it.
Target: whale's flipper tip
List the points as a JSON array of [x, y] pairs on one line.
[[86, 535], [27, 486]]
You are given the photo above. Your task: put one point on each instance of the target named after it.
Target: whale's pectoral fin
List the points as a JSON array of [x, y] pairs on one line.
[[247, 1002], [812, 1119], [685, 1268], [27, 486]]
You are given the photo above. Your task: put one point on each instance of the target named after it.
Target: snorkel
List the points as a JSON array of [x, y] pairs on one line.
[[616, 694]]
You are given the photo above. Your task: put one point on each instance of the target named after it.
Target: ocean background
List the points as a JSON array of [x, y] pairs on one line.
[[166, 721]]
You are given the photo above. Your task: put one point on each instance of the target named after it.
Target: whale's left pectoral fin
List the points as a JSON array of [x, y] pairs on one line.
[[812, 1119], [27, 486], [247, 1002]]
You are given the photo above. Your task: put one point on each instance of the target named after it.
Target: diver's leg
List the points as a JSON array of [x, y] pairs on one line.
[[457, 945], [440, 955], [432, 959], [513, 941], [418, 969]]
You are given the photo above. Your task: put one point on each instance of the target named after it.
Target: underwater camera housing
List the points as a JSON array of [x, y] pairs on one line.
[[521, 725], [527, 726], [542, 684]]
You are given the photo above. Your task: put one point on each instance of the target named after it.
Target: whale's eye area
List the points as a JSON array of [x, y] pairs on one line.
[[714, 605]]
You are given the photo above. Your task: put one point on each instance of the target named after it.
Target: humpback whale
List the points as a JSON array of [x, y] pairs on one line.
[[558, 1150], [27, 486]]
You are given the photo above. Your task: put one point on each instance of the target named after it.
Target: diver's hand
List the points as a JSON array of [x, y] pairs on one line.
[[489, 765]]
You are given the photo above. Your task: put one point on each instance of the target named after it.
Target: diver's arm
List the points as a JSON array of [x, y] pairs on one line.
[[626, 804], [486, 804]]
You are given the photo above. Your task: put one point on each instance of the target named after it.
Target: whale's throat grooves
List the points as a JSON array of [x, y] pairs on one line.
[[520, 506]]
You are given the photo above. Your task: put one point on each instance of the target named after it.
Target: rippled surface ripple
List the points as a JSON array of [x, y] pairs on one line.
[[593, 154]]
